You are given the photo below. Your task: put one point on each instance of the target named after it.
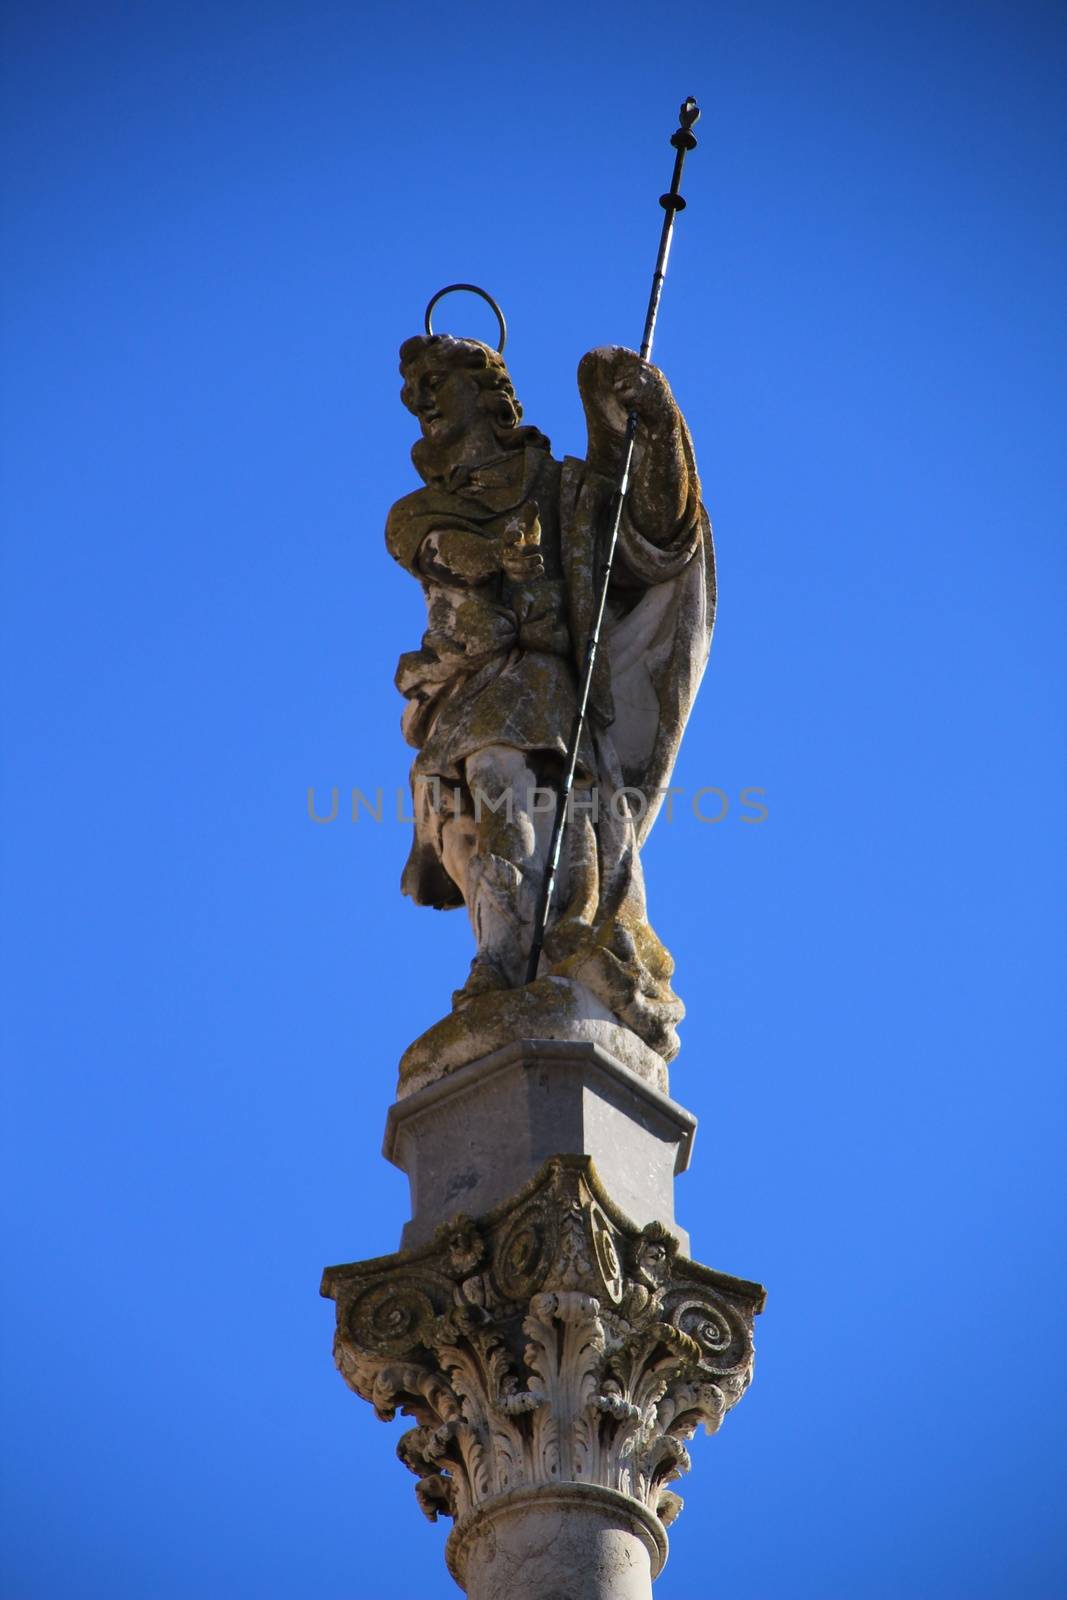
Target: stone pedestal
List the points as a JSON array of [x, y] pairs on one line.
[[469, 1141], [552, 1010], [556, 1358]]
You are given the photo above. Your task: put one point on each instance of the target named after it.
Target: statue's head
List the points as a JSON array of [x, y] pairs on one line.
[[458, 389]]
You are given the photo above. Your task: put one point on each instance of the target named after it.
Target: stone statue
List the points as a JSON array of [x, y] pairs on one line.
[[504, 540]]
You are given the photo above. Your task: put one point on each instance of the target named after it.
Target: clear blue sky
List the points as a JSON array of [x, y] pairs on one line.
[[221, 220]]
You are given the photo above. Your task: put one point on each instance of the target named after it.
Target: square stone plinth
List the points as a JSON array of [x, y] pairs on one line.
[[472, 1140]]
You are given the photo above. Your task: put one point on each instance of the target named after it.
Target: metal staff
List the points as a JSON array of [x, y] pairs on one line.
[[683, 140]]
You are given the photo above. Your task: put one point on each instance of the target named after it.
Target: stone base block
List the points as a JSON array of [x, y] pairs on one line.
[[470, 1141]]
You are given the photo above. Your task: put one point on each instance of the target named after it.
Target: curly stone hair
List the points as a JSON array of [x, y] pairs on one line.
[[489, 369]]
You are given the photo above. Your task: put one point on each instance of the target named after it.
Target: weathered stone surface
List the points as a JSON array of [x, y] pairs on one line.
[[552, 1343], [551, 1008], [475, 1137], [506, 543]]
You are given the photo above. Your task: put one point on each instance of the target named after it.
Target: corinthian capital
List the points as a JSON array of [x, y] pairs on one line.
[[551, 1348]]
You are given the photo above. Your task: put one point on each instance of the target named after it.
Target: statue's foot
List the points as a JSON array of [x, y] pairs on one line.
[[568, 937], [485, 977]]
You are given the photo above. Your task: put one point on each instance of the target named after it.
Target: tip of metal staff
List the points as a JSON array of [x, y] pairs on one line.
[[684, 138]]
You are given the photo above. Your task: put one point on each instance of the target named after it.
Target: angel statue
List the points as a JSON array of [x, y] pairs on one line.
[[507, 543]]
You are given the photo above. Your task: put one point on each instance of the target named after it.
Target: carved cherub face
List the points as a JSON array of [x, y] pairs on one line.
[[653, 1260], [654, 1254], [465, 1249]]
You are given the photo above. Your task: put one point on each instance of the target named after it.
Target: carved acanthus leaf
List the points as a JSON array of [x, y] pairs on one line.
[[550, 1342]]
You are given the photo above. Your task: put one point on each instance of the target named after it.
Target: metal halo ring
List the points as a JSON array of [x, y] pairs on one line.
[[471, 288]]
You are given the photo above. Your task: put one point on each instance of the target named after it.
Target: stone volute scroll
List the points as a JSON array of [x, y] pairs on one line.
[[543, 1325]]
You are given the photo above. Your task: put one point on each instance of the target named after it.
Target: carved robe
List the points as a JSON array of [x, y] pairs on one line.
[[500, 663]]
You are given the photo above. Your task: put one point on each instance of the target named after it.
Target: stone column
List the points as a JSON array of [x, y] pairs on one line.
[[556, 1349]]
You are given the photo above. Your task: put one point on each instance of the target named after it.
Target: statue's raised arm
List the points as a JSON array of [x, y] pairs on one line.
[[614, 382], [661, 602]]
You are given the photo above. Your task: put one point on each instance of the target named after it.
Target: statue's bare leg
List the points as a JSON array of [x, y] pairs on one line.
[[503, 868]]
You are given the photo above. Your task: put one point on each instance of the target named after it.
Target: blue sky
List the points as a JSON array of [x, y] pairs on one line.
[[221, 220]]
